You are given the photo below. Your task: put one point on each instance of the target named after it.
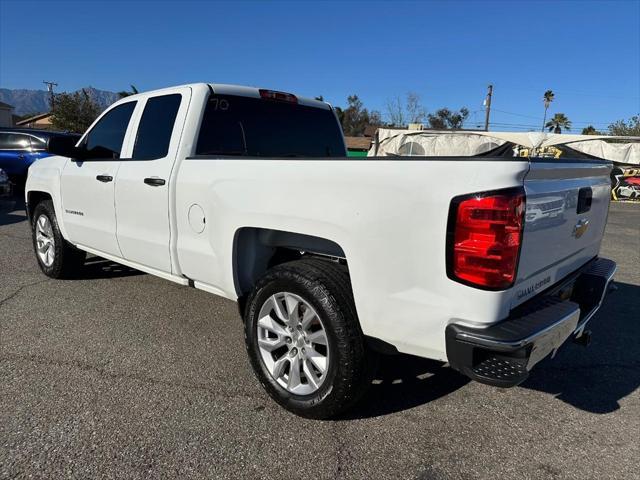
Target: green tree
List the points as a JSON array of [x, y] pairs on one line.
[[590, 130], [125, 93], [75, 112], [355, 118], [445, 119], [547, 98], [558, 122], [630, 127]]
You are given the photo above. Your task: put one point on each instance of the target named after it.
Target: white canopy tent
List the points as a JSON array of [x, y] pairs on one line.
[[394, 142]]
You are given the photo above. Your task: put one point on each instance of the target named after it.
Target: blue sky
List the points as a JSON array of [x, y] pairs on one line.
[[587, 52]]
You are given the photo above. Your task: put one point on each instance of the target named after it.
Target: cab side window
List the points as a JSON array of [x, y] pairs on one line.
[[156, 127], [105, 139]]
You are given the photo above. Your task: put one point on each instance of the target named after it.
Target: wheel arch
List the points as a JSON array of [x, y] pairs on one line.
[[34, 197], [255, 250]]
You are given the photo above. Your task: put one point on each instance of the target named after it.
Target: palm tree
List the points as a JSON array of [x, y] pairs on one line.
[[558, 122], [124, 93], [547, 98], [590, 130]]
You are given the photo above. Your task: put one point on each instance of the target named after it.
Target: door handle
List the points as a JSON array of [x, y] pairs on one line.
[[104, 178], [154, 181], [585, 198]]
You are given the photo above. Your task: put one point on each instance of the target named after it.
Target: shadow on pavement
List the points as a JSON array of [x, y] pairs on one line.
[[96, 267], [596, 378], [404, 382], [12, 210], [593, 379]]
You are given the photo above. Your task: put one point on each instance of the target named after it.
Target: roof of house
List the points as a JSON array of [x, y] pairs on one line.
[[358, 143], [6, 105], [35, 118]]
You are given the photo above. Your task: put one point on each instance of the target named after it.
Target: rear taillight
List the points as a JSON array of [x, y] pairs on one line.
[[280, 96], [484, 236]]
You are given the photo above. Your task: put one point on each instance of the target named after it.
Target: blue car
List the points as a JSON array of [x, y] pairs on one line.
[[19, 148], [5, 185]]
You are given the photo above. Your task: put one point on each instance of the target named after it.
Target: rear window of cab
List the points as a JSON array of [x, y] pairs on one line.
[[257, 127]]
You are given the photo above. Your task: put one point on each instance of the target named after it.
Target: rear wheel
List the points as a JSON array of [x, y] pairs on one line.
[[304, 339], [57, 257]]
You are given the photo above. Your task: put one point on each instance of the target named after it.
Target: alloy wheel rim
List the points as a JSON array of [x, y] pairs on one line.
[[293, 343], [45, 242]]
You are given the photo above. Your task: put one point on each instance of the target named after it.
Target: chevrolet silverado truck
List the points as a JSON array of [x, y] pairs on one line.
[[248, 194]]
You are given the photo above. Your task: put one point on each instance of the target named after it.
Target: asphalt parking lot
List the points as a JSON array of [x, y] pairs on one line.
[[121, 374]]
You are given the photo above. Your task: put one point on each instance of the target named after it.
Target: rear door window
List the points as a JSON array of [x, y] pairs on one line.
[[256, 127], [156, 127], [105, 139], [14, 141]]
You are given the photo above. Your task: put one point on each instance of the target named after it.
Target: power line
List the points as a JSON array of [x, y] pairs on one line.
[[538, 118], [517, 114]]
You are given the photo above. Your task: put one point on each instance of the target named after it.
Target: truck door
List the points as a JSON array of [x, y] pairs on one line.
[[87, 186], [142, 187]]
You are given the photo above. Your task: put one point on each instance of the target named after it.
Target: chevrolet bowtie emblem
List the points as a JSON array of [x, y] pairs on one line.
[[580, 227]]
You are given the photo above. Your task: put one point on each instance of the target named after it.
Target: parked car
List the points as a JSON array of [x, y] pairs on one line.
[[247, 193], [5, 184], [20, 147]]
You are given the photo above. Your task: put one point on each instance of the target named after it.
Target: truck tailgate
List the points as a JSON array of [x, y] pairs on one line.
[[566, 211]]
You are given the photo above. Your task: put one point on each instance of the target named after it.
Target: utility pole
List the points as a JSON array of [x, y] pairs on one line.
[[50, 86], [487, 103]]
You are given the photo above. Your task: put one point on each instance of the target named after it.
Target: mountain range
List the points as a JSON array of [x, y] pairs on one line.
[[37, 101]]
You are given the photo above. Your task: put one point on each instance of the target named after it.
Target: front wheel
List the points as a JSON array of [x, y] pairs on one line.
[[57, 257], [304, 339]]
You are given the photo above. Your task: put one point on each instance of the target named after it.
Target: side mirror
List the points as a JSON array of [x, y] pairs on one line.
[[64, 145]]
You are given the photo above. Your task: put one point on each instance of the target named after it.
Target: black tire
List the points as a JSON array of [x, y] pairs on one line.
[[68, 260], [326, 286]]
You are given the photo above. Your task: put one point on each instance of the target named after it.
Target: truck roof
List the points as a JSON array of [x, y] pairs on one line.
[[242, 90], [227, 89]]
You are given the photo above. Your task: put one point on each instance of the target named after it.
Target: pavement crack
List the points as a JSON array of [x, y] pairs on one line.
[[337, 432], [19, 290]]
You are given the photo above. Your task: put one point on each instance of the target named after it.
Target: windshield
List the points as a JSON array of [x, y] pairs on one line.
[[256, 127]]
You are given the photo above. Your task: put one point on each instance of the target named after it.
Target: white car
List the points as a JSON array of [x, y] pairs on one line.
[[246, 193]]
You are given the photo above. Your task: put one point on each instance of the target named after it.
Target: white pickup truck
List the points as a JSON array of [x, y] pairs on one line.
[[246, 193]]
